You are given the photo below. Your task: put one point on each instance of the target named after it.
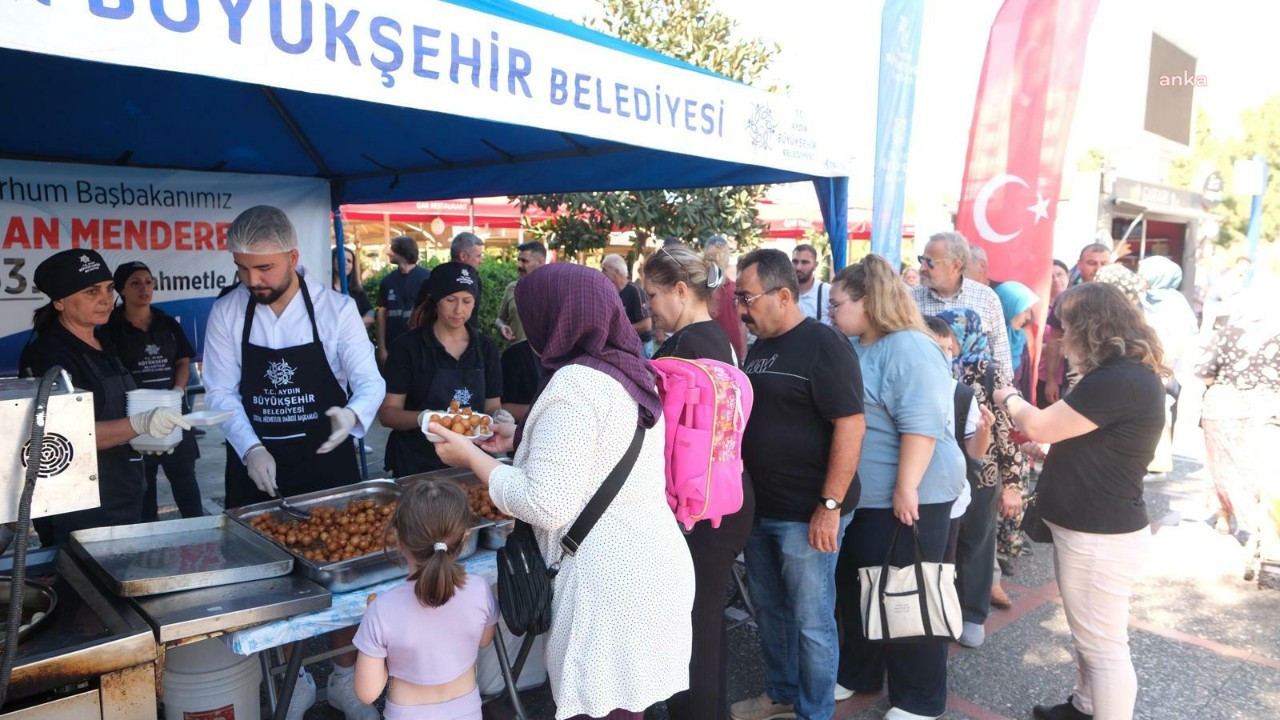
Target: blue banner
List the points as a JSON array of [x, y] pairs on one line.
[[899, 55]]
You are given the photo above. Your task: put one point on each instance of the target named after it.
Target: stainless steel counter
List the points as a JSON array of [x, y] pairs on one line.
[[199, 613]]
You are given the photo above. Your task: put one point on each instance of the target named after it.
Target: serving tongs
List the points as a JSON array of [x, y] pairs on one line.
[[293, 511]]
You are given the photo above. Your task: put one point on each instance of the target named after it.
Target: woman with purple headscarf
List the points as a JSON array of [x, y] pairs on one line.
[[620, 623]]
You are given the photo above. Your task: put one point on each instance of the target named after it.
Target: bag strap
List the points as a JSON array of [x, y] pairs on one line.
[[963, 400], [603, 496]]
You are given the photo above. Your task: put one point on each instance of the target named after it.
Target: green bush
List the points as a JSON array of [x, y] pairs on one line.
[[495, 275]]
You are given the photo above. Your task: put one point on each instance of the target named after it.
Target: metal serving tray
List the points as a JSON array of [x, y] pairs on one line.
[[346, 575], [172, 555], [488, 534]]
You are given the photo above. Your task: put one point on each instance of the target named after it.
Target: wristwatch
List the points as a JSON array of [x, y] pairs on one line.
[[1015, 393], [830, 504]]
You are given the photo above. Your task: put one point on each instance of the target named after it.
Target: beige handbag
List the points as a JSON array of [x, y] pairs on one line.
[[916, 603]]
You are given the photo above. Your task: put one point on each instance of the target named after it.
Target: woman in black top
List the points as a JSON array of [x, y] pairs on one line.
[[681, 287], [441, 359], [155, 351], [1104, 433], [78, 284], [354, 288]]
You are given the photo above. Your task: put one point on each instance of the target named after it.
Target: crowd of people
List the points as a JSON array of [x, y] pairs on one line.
[[883, 399]]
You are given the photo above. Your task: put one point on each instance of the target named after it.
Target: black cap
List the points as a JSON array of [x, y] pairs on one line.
[[447, 279], [70, 271], [126, 270]]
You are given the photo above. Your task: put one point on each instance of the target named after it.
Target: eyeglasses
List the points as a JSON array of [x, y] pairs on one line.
[[927, 261], [683, 271], [747, 300]]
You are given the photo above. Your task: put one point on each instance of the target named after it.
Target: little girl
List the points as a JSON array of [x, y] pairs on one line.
[[427, 632]]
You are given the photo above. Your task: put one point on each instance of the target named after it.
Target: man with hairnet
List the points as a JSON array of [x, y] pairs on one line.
[[291, 358]]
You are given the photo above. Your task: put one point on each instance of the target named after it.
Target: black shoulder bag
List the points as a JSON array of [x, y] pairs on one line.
[[524, 580]]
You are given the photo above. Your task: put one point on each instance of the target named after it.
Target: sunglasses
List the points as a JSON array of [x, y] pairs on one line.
[[928, 261]]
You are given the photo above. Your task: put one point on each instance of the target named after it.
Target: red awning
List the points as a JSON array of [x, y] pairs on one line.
[[489, 212]]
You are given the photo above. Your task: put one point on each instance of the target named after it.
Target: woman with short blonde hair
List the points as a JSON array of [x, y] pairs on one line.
[[1104, 433]]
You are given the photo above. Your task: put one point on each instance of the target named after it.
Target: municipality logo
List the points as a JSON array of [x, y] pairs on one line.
[[391, 295], [88, 264], [280, 373], [761, 126], [464, 277], [462, 396], [152, 349]]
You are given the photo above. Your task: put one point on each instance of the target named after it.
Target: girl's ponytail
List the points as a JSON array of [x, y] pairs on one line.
[[431, 524]]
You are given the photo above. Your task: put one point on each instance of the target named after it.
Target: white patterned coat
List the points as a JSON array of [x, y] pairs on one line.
[[620, 632]]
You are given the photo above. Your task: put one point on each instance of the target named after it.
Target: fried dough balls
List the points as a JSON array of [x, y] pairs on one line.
[[333, 534], [463, 421], [481, 504]]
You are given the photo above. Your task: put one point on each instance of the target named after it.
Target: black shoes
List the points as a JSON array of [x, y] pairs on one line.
[[1065, 711]]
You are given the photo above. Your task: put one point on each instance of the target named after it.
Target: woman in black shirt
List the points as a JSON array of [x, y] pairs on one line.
[[1104, 434], [681, 287], [156, 352], [440, 359], [78, 284]]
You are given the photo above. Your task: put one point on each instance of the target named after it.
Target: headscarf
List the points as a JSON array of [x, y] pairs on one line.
[[70, 271], [1015, 299], [1163, 276], [1124, 280], [966, 325], [572, 315]]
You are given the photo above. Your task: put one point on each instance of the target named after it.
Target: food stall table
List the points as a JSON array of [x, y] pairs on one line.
[[347, 609]]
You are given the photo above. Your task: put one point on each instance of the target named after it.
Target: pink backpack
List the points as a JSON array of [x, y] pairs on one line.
[[705, 404]]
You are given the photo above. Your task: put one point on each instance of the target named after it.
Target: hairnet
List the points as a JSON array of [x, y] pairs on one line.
[[262, 230]]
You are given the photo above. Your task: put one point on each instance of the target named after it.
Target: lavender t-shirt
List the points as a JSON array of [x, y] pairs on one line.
[[427, 646]]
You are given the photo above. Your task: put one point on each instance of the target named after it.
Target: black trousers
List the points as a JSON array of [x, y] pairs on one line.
[[180, 471], [713, 551], [917, 671], [976, 554]]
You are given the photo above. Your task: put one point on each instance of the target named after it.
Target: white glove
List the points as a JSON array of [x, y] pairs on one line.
[[262, 469], [343, 421], [158, 422], [501, 416]]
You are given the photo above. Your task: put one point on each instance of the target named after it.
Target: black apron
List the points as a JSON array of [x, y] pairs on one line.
[[408, 451], [285, 393], [150, 356], [120, 478]]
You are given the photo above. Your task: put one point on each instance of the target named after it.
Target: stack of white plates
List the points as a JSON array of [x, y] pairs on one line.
[[140, 401]]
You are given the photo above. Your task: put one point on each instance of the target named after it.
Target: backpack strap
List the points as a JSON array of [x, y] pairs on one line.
[[963, 401], [600, 500]]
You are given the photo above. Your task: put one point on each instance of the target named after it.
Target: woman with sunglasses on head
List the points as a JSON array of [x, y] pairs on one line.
[[1104, 433], [911, 469], [682, 289]]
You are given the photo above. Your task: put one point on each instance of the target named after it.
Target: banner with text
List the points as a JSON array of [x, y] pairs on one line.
[[441, 57], [174, 221]]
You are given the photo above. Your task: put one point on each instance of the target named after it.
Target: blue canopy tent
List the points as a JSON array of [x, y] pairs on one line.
[[487, 97]]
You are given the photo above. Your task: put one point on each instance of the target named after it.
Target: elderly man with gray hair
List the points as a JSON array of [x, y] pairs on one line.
[[467, 248], [943, 286], [634, 300], [280, 353]]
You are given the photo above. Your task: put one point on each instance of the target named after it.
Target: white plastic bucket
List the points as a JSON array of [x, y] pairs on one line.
[[206, 681]]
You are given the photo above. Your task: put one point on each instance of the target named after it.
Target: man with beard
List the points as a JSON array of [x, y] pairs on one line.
[[291, 359], [814, 294], [398, 293], [521, 370]]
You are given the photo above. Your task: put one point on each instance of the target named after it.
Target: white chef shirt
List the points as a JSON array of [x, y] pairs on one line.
[[342, 332], [814, 306]]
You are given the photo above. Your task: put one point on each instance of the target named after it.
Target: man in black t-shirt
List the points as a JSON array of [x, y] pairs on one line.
[[398, 293], [801, 450], [634, 300]]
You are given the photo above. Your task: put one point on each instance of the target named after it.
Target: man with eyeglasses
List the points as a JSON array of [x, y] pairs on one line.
[[943, 286], [814, 293], [801, 450]]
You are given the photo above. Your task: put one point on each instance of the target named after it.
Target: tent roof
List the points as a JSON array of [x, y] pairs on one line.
[[112, 107]]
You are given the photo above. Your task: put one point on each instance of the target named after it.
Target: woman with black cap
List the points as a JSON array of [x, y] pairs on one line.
[[156, 352], [78, 284], [441, 360]]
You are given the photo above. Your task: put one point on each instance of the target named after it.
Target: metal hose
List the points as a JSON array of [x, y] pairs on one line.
[[13, 623]]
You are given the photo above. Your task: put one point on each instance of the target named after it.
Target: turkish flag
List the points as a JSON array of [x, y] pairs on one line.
[[1021, 124]]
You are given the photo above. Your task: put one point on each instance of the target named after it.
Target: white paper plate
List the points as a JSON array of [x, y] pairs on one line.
[[480, 436], [205, 418]]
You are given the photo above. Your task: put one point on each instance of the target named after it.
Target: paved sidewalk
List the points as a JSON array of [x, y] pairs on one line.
[[1206, 644]]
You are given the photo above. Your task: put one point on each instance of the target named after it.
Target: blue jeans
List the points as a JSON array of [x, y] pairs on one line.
[[793, 587]]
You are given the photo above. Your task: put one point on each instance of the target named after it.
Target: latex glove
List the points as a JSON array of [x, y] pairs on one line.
[[501, 416], [262, 469], [158, 422], [343, 421]]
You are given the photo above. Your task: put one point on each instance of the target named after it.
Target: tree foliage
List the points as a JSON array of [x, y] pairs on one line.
[[689, 30], [1213, 152]]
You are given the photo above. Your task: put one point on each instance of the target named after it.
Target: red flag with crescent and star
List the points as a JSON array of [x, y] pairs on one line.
[[1021, 124]]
